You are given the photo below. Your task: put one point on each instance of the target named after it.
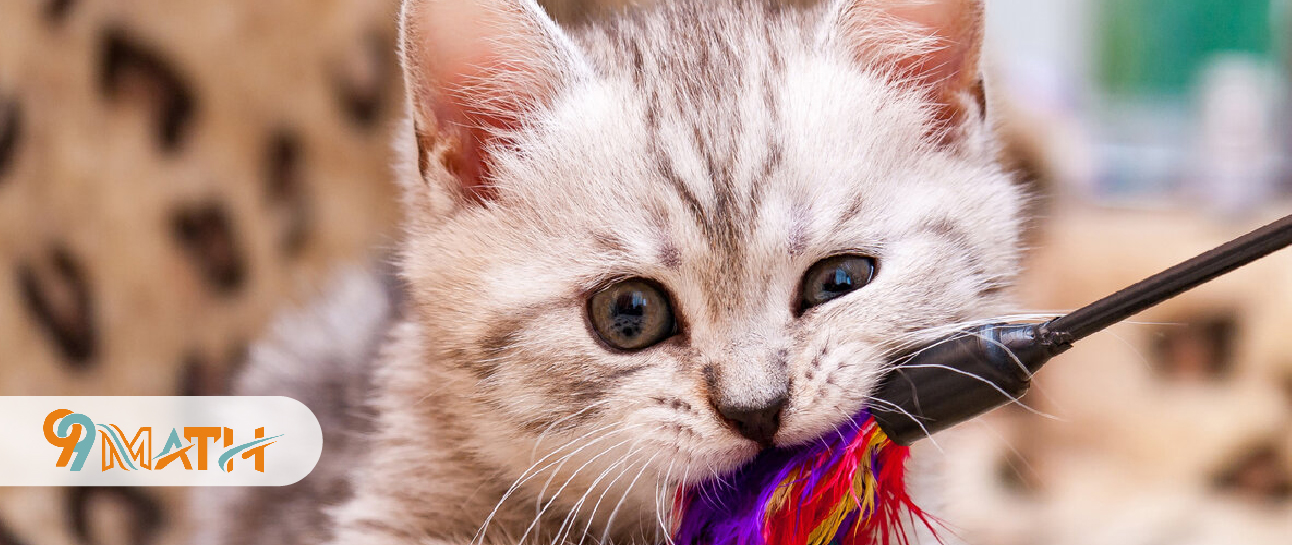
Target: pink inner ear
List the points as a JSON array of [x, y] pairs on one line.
[[952, 68], [474, 130], [474, 66], [469, 166], [958, 26]]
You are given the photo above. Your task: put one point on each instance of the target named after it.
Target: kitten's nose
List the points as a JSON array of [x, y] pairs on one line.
[[758, 424]]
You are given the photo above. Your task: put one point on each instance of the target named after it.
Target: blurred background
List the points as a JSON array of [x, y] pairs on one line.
[[174, 171]]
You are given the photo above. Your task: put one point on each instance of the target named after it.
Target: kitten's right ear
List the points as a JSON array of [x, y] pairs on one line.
[[473, 70], [933, 44]]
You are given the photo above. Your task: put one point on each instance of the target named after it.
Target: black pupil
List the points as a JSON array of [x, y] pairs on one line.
[[839, 283], [629, 314]]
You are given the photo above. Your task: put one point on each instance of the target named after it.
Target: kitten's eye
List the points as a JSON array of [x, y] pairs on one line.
[[834, 278], [632, 315]]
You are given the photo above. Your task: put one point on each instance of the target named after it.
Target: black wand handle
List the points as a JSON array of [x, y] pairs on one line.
[[975, 370]]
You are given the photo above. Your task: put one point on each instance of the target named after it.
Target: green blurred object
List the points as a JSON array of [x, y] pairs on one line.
[[1157, 47]]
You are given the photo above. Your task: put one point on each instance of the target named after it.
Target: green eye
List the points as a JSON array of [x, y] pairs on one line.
[[632, 315], [833, 278]]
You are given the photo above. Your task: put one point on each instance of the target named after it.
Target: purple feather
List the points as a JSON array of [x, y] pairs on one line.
[[732, 510]]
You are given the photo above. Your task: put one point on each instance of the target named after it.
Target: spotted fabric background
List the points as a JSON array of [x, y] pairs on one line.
[[171, 172]]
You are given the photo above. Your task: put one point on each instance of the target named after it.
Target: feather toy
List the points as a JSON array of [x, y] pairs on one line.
[[847, 488]]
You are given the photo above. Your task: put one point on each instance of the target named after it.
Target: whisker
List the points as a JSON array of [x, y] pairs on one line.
[[564, 459], [609, 487], [658, 505], [898, 408], [848, 419], [1012, 356], [665, 516], [568, 523], [1001, 437], [542, 435], [1139, 356], [932, 333], [557, 494], [526, 476], [605, 535], [994, 386]]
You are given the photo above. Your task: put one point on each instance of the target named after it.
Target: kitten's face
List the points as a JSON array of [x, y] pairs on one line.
[[718, 173]]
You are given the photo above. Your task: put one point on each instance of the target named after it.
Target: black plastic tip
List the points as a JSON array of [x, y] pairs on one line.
[[960, 377]]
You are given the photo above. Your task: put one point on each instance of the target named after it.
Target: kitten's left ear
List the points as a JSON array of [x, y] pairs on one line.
[[934, 43], [474, 70]]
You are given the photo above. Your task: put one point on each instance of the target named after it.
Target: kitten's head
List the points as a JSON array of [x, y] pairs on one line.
[[700, 229]]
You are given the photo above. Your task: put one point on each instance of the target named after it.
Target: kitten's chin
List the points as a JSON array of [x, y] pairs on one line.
[[701, 466], [794, 438]]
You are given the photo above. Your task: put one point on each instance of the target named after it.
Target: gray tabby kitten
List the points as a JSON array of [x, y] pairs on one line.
[[638, 254]]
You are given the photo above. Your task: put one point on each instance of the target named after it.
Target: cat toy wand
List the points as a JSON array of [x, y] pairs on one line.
[[849, 486], [974, 371]]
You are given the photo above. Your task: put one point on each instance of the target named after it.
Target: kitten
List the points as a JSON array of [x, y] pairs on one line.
[[637, 254]]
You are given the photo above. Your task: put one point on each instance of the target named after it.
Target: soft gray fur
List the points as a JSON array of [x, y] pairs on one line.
[[322, 356], [718, 148]]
